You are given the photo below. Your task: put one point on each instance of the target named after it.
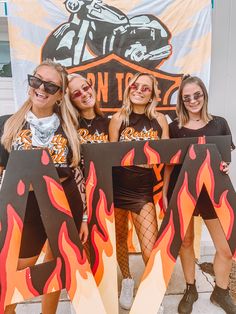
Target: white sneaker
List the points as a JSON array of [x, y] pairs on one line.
[[127, 293]]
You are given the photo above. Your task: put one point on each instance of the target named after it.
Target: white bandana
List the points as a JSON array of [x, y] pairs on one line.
[[42, 129]]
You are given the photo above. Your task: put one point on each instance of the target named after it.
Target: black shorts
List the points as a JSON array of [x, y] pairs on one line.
[[34, 235], [132, 187]]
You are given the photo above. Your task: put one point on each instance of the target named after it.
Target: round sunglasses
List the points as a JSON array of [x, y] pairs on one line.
[[49, 88]]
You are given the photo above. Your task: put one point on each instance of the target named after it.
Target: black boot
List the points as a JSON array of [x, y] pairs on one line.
[[190, 296], [222, 298]]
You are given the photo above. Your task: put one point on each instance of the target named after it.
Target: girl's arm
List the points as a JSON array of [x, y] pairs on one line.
[[114, 127]]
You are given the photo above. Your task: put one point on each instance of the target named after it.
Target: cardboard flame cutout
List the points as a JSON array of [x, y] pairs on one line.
[[201, 168], [70, 269]]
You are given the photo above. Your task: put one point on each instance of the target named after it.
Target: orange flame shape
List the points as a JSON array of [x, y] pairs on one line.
[[152, 156], [186, 204], [225, 213], [100, 240], [175, 159], [205, 176], [12, 280], [163, 245], [90, 187], [75, 262], [54, 281], [128, 160], [57, 196]]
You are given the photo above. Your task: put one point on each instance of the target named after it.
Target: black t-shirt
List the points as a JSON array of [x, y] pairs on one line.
[[216, 126], [140, 128], [93, 130], [58, 148]]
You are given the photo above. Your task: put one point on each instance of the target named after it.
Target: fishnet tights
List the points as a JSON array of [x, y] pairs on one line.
[[146, 228]]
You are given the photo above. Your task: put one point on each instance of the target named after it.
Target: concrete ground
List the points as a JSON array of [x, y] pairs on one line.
[[174, 292]]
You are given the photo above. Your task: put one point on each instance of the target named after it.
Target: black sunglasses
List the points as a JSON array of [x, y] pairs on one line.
[[49, 88]]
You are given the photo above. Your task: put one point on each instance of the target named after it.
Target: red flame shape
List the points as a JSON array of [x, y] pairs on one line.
[[192, 153], [44, 158], [20, 188], [54, 281]]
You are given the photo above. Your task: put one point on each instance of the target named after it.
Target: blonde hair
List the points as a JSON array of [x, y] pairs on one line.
[[182, 112], [64, 110], [97, 109], [150, 109]]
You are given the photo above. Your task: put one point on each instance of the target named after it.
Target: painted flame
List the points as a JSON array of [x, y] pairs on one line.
[[205, 176], [201, 140], [225, 214], [128, 159], [44, 158], [54, 281], [90, 187], [162, 246], [100, 240], [76, 263], [192, 153], [175, 159], [16, 286], [20, 188], [57, 196], [152, 156], [186, 205]]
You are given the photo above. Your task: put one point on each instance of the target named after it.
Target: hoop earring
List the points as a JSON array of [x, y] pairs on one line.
[[150, 100]]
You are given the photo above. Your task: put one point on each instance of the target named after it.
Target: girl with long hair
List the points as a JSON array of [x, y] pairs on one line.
[[44, 117], [137, 120], [194, 120]]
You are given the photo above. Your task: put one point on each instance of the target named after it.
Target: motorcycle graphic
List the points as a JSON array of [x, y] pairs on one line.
[[95, 29]]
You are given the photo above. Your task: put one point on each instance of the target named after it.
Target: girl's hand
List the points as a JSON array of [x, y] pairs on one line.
[[83, 234], [224, 167]]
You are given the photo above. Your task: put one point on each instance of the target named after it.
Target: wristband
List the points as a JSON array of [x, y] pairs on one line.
[[85, 218]]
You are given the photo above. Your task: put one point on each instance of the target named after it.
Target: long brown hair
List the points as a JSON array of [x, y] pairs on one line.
[[64, 110], [182, 112], [150, 109]]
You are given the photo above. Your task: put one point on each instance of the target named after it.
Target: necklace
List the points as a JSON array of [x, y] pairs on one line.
[[88, 122], [195, 120]]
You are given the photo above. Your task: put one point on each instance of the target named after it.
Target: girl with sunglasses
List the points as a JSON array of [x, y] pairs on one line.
[[194, 120], [93, 126], [45, 118], [133, 186]]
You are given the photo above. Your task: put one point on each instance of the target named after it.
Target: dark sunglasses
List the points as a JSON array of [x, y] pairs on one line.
[[49, 88], [194, 97], [78, 93], [143, 89]]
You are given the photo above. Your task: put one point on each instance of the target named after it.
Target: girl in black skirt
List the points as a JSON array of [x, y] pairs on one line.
[[133, 186], [193, 120]]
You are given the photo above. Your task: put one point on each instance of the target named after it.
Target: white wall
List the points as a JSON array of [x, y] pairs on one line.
[[223, 68]]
